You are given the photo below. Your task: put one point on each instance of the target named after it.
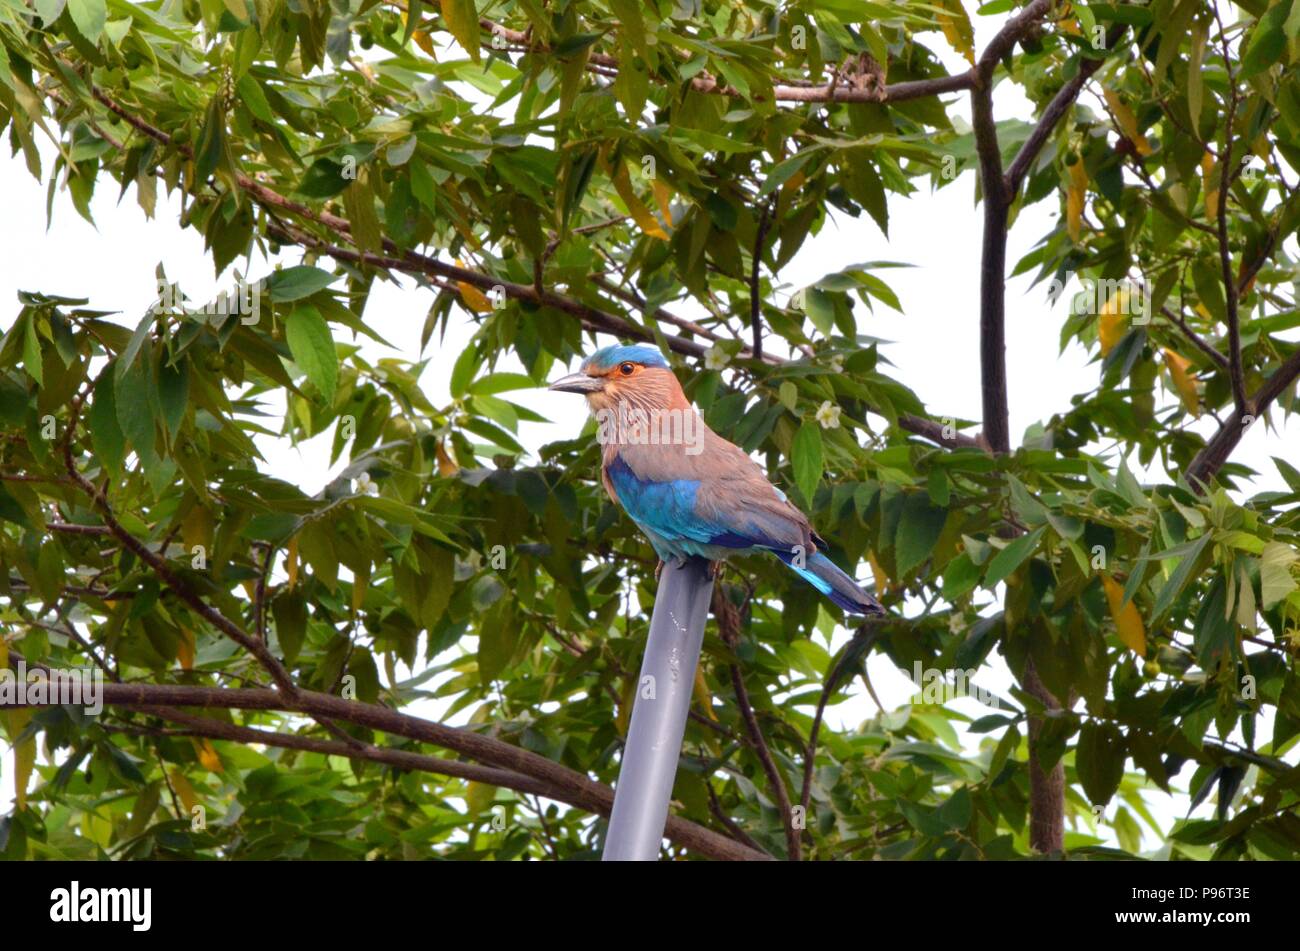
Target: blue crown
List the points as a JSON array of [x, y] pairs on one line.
[[607, 357]]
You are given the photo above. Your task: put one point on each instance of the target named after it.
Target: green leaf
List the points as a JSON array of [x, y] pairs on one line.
[[295, 283], [960, 576], [1275, 578], [105, 433], [13, 403], [462, 373], [785, 171], [308, 336], [290, 612], [252, 96], [32, 352], [1267, 42], [1290, 474], [173, 393], [212, 142], [134, 394], [1099, 760], [631, 22], [1181, 575], [497, 637], [359, 201], [89, 16], [919, 528], [806, 459], [11, 510], [141, 333], [1011, 557], [501, 383]]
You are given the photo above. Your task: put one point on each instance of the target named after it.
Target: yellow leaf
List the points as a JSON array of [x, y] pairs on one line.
[[184, 791], [425, 42], [1180, 369], [1074, 199], [664, 199], [462, 22], [474, 298], [4, 653], [1204, 312], [446, 465], [794, 182], [957, 30], [878, 574], [24, 753], [479, 797], [291, 562], [1110, 328], [702, 695], [1211, 194], [207, 755], [1128, 621], [1127, 122], [635, 207], [196, 528], [185, 649]]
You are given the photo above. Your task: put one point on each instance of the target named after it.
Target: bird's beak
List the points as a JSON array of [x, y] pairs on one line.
[[578, 383]]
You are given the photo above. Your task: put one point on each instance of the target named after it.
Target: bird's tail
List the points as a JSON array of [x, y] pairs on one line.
[[820, 572]]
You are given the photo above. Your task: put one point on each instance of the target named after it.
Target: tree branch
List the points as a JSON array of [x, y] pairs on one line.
[[1221, 445], [592, 318], [556, 781], [1052, 115], [755, 301], [1046, 794], [993, 266], [603, 64], [1236, 373], [164, 572], [728, 619], [1197, 340]]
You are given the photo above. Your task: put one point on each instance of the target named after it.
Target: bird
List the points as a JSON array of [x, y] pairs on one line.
[[690, 491]]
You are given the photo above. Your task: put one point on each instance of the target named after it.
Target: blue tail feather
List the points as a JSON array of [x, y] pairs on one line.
[[824, 575]]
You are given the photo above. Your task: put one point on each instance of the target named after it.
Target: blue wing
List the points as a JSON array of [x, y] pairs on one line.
[[669, 510]]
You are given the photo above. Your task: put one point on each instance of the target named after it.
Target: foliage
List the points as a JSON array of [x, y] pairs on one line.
[[567, 168]]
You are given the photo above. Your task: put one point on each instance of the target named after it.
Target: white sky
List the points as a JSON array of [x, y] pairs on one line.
[[934, 347]]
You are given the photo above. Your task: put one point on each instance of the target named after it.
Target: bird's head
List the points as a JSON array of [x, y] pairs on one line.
[[637, 375]]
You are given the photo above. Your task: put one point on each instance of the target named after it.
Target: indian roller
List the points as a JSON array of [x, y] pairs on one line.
[[690, 491]]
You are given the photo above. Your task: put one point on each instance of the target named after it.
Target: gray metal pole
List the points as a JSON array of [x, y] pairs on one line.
[[663, 699]]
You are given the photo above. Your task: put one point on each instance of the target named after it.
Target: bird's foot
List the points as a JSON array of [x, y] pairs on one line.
[[715, 570], [659, 569]]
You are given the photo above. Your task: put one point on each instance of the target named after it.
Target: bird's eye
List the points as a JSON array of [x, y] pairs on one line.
[[626, 368]]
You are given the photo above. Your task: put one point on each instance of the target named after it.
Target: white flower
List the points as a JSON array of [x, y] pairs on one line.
[[366, 485], [956, 622], [837, 363], [716, 358], [828, 414]]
